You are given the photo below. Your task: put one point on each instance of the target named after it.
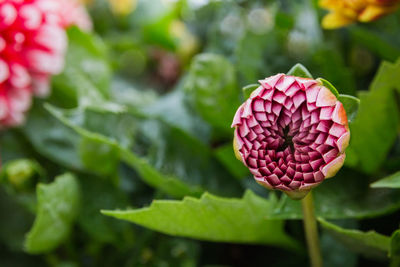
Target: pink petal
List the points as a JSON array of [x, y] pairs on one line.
[[330, 169], [325, 98]]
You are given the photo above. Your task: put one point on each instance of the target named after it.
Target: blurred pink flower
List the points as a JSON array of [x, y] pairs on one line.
[[291, 134], [32, 48], [72, 12]]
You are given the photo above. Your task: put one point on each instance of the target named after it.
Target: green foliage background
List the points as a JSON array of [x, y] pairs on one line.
[[138, 128]]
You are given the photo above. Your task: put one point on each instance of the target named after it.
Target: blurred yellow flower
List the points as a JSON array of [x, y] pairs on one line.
[[122, 7], [344, 12], [118, 7]]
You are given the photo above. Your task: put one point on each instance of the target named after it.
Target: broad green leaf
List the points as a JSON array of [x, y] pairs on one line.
[[101, 194], [15, 221], [349, 187], [248, 56], [131, 95], [107, 139], [248, 89], [60, 143], [212, 90], [392, 181], [374, 130], [86, 76], [394, 251], [109, 120], [52, 139], [351, 105], [172, 109], [374, 42], [330, 63], [300, 71], [189, 170], [328, 85], [58, 205], [227, 157], [334, 253], [212, 218], [174, 152], [98, 155], [86, 60], [370, 244], [13, 146], [168, 184]]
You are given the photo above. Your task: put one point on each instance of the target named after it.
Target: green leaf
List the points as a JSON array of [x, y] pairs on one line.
[[300, 71], [13, 146], [374, 42], [212, 90], [348, 187], [93, 151], [351, 105], [107, 139], [248, 55], [330, 63], [334, 253], [101, 194], [212, 218], [329, 86], [15, 220], [175, 153], [57, 141], [86, 60], [166, 183], [394, 251], [58, 205], [248, 89], [172, 109], [374, 130], [52, 139], [370, 244], [392, 181]]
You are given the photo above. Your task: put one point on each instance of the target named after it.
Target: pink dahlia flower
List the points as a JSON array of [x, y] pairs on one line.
[[32, 48], [291, 134]]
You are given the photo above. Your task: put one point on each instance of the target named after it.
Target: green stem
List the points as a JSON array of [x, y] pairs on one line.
[[310, 227]]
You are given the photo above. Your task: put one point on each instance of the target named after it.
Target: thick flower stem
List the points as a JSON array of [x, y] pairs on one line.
[[311, 230]]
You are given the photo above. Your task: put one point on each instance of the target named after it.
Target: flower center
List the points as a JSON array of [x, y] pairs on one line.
[[288, 140]]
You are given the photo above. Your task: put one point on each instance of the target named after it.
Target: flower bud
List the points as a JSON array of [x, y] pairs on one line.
[[291, 133], [20, 173]]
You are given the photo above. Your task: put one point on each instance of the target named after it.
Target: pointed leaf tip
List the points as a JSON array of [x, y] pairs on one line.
[[351, 105], [248, 89], [299, 70], [392, 181], [328, 85]]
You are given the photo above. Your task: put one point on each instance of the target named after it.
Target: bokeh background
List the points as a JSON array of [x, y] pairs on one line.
[[157, 82]]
